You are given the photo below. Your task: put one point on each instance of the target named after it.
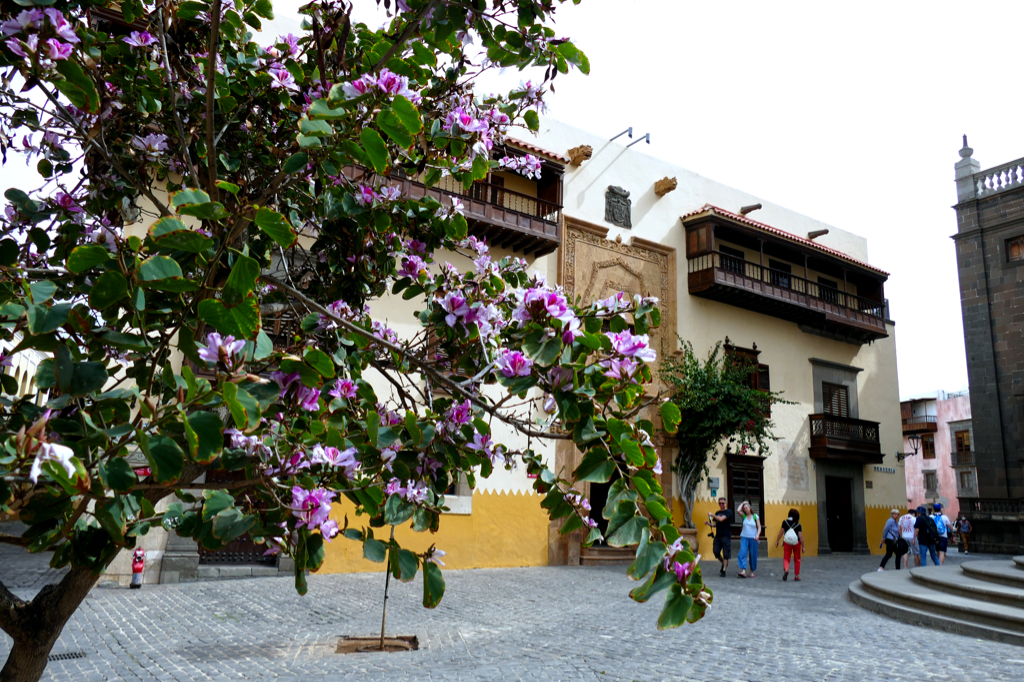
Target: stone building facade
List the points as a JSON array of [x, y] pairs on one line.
[[942, 469], [990, 260]]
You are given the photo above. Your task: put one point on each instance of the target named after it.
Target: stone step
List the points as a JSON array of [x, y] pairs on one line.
[[995, 571], [1019, 561], [860, 595], [959, 583], [607, 556], [902, 588]]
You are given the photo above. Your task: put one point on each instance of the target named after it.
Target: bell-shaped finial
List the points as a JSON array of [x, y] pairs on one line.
[[965, 151]]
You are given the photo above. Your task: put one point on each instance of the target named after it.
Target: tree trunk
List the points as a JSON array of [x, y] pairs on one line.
[[35, 625]]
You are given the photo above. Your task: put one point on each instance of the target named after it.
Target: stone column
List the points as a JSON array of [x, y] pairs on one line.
[[966, 167]]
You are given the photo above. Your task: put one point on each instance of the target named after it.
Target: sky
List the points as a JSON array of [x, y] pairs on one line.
[[850, 113]]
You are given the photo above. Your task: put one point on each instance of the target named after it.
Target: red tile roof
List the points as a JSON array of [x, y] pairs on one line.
[[708, 208], [529, 146]]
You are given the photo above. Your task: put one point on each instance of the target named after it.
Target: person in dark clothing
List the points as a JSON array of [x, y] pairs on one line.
[[894, 543], [723, 533], [927, 536]]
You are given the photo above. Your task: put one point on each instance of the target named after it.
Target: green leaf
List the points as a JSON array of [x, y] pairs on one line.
[[318, 128], [228, 186], [628, 533], [214, 502], [677, 606], [375, 550], [245, 410], [631, 449], [211, 210], [264, 8], [321, 109], [159, 268], [126, 341], [376, 150], [433, 584], [88, 377], [315, 552], [209, 432], [242, 279], [275, 226], [86, 257], [407, 564], [42, 291], [78, 87], [189, 197], [9, 251], [110, 288], [320, 361], [670, 417], [398, 510], [648, 556], [532, 120], [120, 477], [295, 163], [392, 125], [43, 320], [173, 234], [657, 582], [241, 321], [165, 459], [407, 113], [596, 467], [230, 525]]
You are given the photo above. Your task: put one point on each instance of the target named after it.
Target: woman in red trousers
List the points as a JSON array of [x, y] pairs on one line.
[[791, 534]]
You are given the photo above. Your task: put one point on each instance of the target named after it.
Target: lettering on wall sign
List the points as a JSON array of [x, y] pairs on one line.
[[885, 470]]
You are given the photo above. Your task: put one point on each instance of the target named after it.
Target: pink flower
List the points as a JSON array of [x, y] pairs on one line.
[[139, 39], [24, 48], [152, 145], [66, 202], [460, 413], [623, 370], [329, 529], [308, 397], [416, 246], [26, 19], [435, 556], [390, 193], [366, 196], [514, 364], [52, 452], [57, 50], [283, 78], [343, 390], [62, 26], [413, 266], [358, 87], [311, 507], [291, 41], [633, 346], [456, 306], [221, 349]]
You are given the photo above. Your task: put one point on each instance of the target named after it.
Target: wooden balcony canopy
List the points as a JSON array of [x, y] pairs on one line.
[[823, 306], [845, 439], [925, 423]]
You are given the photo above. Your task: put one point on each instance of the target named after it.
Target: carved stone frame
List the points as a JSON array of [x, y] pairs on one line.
[[586, 259]]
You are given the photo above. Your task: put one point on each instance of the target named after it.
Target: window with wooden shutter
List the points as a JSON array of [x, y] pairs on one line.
[[928, 446], [963, 441], [1015, 249], [931, 484], [835, 400]]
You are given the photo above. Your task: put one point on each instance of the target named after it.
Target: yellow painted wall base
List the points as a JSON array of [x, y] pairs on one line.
[[775, 512], [504, 530], [875, 518]]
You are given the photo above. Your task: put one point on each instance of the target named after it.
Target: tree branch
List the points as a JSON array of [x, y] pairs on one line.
[[211, 85], [9, 539], [174, 98], [9, 605], [410, 28]]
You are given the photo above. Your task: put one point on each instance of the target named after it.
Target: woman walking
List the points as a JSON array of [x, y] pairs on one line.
[[963, 527], [892, 538], [749, 537], [792, 535]]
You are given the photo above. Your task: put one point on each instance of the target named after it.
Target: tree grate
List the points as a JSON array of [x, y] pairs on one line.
[[65, 656]]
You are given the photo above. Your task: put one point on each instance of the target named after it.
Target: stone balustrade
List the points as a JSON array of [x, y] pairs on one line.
[[999, 179]]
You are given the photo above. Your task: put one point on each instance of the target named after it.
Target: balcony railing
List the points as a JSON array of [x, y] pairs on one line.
[[783, 294], [835, 437], [989, 506], [503, 217], [921, 424], [962, 459]]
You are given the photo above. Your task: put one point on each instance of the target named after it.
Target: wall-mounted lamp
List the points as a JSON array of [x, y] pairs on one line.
[[627, 131], [646, 137], [915, 443]]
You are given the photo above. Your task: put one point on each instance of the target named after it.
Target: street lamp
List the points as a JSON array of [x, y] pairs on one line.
[[915, 443]]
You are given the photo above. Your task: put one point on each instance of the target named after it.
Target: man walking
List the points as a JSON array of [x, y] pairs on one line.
[[945, 529], [927, 536], [723, 533], [906, 524], [963, 527]]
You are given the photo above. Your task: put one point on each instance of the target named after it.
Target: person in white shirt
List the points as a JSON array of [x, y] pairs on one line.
[[906, 525], [945, 529]]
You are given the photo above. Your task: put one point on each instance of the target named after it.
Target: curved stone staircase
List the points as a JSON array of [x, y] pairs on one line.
[[977, 598]]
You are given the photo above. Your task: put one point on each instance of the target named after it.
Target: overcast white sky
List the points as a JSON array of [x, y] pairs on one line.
[[851, 113]]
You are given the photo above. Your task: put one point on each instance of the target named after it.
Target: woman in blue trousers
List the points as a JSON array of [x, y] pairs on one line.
[[749, 537]]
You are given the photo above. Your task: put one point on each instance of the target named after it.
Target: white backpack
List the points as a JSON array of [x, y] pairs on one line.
[[791, 538]]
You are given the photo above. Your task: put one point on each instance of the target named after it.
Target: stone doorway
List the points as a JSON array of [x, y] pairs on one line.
[[839, 512]]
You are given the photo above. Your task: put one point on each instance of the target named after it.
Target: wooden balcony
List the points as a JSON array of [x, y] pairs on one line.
[[962, 459], [845, 439], [780, 294], [502, 217], [922, 424]]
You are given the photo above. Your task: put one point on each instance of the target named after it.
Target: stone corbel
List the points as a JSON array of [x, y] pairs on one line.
[[578, 155], [664, 186]]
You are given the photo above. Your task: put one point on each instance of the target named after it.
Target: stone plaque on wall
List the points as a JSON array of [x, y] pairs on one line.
[[617, 207]]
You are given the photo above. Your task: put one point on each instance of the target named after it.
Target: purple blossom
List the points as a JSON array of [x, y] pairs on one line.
[[329, 529], [514, 364], [52, 452], [62, 26], [394, 487], [26, 19], [623, 370], [366, 196], [632, 346], [220, 349], [392, 84], [291, 41], [388, 455], [416, 246], [24, 48], [64, 201], [460, 413], [358, 87], [251, 444], [345, 389], [390, 193], [282, 78], [413, 266], [528, 165], [308, 397], [139, 39], [152, 145], [311, 507], [435, 556], [57, 50], [681, 570], [456, 305], [483, 443], [340, 459]]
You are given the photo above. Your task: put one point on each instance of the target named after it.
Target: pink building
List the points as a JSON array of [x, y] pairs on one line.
[[943, 468]]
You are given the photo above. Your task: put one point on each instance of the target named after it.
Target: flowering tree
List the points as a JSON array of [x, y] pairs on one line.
[[717, 403], [197, 181]]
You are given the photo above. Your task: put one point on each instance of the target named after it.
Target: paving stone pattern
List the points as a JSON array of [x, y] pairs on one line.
[[543, 624]]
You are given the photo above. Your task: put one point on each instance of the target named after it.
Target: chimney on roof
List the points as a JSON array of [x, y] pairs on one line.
[[814, 234], [748, 209], [965, 168]]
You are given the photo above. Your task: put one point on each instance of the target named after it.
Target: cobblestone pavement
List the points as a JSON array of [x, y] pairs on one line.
[[544, 624]]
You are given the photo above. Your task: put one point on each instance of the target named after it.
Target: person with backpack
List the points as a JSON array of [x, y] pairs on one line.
[[892, 540], [792, 535], [963, 527], [750, 535], [927, 536], [945, 529], [907, 534]]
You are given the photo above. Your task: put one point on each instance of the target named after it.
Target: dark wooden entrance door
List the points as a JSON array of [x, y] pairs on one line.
[[839, 513], [746, 483], [598, 498]]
